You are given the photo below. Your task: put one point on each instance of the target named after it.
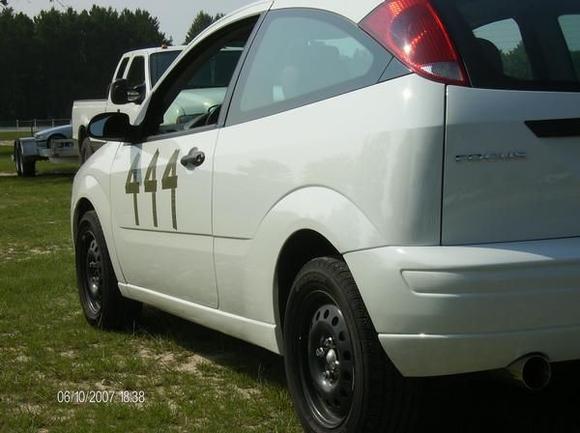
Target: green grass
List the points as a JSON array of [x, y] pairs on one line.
[[193, 379], [13, 135]]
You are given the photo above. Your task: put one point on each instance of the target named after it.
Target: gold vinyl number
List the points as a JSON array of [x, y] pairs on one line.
[[168, 181]]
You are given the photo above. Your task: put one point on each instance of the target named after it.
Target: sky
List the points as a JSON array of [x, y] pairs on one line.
[[175, 16]]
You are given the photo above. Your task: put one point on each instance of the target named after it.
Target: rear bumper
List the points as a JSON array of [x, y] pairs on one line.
[[447, 310]]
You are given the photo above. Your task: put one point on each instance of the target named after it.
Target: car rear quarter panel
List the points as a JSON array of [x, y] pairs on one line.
[[362, 169]]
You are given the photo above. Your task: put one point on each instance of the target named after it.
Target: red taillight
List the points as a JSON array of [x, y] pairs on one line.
[[413, 32]]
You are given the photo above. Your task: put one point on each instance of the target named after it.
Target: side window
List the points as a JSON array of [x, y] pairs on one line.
[[503, 49], [122, 67], [193, 95], [570, 25], [136, 76], [304, 56]]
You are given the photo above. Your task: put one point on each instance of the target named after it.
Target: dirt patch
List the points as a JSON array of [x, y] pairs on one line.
[[4, 174], [190, 364]]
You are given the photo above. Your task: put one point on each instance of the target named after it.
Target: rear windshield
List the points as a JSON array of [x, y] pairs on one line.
[[524, 44], [159, 62]]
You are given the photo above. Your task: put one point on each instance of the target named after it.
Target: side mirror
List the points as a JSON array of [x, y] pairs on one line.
[[119, 92], [136, 94], [113, 127]]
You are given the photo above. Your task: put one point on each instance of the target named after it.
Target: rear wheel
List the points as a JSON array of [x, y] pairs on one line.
[[103, 305], [339, 377]]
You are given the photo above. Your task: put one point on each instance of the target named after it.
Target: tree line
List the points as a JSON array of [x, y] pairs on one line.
[[48, 61]]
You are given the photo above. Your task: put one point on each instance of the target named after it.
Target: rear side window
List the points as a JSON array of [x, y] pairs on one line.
[[503, 48], [303, 56], [524, 44], [570, 25], [122, 68], [136, 76]]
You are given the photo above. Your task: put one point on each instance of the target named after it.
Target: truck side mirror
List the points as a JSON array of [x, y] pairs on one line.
[[137, 94], [113, 127], [120, 92]]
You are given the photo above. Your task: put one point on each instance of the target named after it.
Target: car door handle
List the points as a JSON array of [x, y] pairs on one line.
[[194, 158]]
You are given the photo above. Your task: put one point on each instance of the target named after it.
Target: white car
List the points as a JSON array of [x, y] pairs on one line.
[[386, 190]]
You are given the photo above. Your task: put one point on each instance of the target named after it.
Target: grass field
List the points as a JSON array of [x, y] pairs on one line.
[[12, 135], [193, 379]]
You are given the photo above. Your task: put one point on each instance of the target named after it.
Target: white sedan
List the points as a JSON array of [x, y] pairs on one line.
[[376, 190]]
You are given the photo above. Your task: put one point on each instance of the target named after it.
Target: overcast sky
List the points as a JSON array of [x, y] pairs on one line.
[[175, 16]]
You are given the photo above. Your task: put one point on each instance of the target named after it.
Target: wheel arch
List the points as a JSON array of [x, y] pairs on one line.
[[311, 222], [301, 247], [89, 194]]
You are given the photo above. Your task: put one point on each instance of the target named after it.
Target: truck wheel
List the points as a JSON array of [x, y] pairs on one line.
[[103, 305], [338, 375], [86, 150], [25, 167]]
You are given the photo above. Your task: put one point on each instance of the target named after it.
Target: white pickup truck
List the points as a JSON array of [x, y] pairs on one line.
[[140, 70]]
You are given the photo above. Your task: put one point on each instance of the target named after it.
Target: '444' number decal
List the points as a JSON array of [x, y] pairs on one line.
[[168, 181]]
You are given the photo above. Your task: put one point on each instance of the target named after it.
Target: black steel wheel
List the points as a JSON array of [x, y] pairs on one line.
[[339, 377], [102, 302], [327, 366], [92, 271]]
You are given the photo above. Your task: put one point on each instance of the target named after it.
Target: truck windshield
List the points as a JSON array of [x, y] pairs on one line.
[[524, 44], [159, 62]]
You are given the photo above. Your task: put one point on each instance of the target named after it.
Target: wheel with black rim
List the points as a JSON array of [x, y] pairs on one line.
[[102, 302], [338, 375]]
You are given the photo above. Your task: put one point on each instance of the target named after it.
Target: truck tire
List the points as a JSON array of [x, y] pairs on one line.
[[339, 376], [86, 150], [103, 305], [25, 167]]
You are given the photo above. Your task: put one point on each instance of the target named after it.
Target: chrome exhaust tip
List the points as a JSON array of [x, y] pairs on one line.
[[533, 372]]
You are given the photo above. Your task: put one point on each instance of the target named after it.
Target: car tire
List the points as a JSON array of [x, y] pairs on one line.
[[86, 150], [25, 167], [339, 376], [17, 158], [103, 305]]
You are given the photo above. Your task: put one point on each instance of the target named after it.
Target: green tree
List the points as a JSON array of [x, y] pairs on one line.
[[517, 64], [60, 56], [201, 21]]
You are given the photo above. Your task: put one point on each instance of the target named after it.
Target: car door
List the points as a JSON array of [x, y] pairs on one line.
[[161, 188]]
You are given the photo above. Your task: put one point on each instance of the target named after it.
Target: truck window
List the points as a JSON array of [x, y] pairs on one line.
[[122, 67], [136, 76], [159, 62]]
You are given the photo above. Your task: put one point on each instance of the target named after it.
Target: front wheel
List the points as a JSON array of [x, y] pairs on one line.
[[339, 377], [103, 305]]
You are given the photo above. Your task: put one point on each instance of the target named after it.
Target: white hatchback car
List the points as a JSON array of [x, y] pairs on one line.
[[386, 190]]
